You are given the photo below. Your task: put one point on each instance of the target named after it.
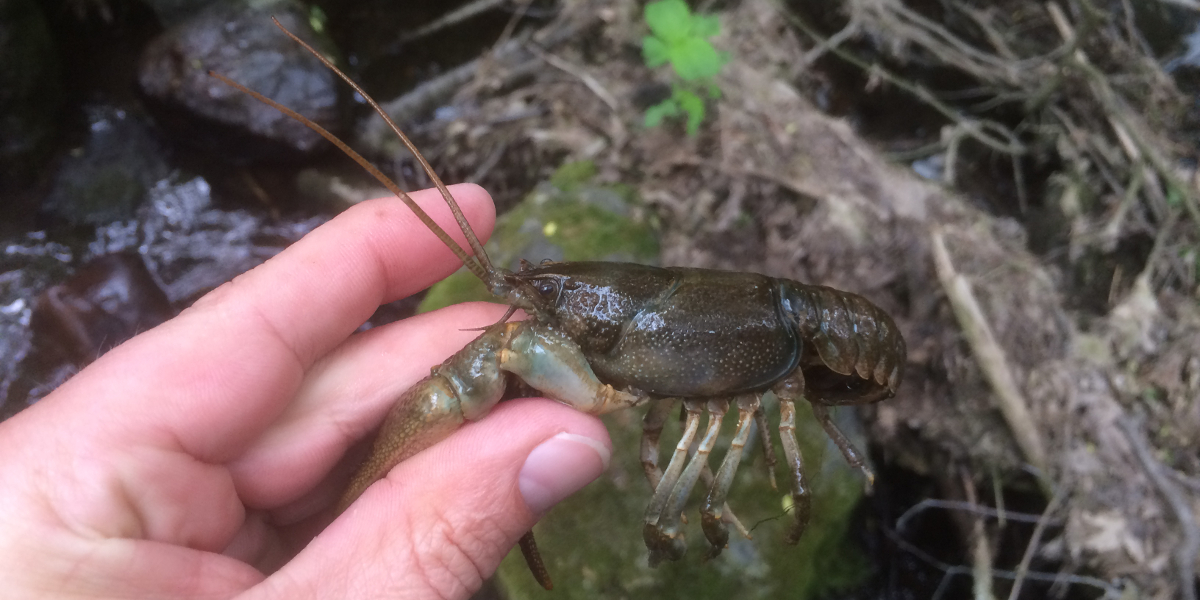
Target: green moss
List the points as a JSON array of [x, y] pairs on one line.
[[571, 175], [462, 286], [565, 219], [581, 230]]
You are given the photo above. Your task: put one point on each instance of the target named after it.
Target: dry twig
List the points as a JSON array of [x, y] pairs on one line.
[[577, 72], [977, 509], [797, 187], [450, 19], [991, 358]]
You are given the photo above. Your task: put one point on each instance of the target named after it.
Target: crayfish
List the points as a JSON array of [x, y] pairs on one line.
[[603, 336]]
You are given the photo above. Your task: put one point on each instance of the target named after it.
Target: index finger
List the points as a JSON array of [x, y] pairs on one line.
[[213, 377]]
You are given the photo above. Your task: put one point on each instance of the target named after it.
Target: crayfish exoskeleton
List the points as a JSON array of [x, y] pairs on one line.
[[605, 336]]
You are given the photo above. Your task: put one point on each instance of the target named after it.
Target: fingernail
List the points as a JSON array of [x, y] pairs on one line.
[[559, 467]]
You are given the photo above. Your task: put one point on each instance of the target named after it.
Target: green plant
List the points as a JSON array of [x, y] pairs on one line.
[[681, 38]]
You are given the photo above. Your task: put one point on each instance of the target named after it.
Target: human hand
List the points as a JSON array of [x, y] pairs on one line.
[[198, 459]]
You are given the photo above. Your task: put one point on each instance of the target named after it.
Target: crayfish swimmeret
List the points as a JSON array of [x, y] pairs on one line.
[[606, 336]]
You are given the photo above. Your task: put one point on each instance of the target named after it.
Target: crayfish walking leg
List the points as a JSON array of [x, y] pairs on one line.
[[712, 512], [663, 516], [662, 540], [801, 498], [821, 412], [661, 529], [652, 426]]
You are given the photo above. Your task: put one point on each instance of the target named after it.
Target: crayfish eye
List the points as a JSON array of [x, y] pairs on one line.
[[547, 288]]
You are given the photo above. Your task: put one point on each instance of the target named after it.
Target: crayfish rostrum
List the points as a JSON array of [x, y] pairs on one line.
[[603, 336]]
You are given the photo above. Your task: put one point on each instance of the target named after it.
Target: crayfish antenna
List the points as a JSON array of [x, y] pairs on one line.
[[476, 247], [479, 264]]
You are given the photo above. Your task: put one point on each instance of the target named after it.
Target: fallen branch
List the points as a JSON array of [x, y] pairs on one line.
[[450, 19], [991, 359]]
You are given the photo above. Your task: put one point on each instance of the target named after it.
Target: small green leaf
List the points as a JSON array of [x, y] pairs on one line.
[[1174, 197], [656, 113], [693, 105], [317, 19], [670, 20], [654, 51], [681, 39], [706, 26], [695, 58]]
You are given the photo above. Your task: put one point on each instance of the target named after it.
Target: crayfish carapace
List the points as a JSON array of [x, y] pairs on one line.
[[606, 336]]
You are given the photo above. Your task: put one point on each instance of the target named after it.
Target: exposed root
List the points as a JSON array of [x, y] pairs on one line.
[[1035, 539], [1185, 555]]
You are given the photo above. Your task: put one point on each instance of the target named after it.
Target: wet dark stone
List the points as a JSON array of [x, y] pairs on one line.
[[173, 12], [191, 246], [27, 266], [107, 177], [109, 300], [242, 44], [30, 91], [135, 274]]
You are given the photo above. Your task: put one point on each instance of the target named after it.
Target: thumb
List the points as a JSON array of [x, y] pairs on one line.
[[441, 522]]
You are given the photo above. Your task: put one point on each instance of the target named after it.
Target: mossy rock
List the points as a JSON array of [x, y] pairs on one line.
[[592, 542], [565, 219]]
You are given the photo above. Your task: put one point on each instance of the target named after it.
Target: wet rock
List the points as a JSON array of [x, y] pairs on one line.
[[30, 91], [190, 246], [111, 299], [174, 12], [107, 177], [136, 273], [27, 266], [15, 336], [243, 44]]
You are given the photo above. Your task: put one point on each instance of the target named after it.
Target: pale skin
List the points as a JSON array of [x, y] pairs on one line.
[[202, 458]]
